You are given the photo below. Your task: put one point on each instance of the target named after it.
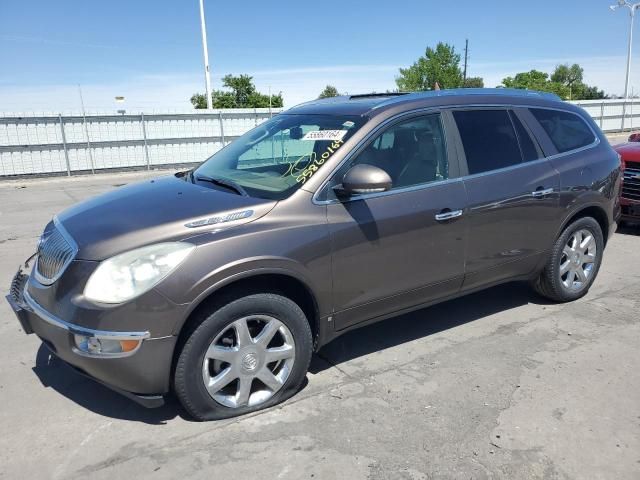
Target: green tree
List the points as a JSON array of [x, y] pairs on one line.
[[440, 65], [572, 77], [536, 80], [568, 75], [473, 82], [565, 81], [242, 94], [329, 91]]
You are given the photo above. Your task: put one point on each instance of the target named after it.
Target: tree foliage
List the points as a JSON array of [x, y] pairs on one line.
[[439, 65], [329, 91], [473, 82], [565, 81], [242, 93]]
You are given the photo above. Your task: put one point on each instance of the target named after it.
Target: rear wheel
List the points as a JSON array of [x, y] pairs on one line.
[[573, 263], [247, 355]]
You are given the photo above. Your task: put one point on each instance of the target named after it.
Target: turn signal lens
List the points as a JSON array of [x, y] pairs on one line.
[[129, 345], [104, 346]]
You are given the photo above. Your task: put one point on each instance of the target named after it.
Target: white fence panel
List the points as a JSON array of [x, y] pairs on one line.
[[63, 144]]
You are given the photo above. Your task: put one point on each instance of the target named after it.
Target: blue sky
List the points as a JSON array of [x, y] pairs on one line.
[[150, 51]]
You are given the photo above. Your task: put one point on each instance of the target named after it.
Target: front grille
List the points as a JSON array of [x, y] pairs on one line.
[[17, 286], [55, 251], [631, 182]]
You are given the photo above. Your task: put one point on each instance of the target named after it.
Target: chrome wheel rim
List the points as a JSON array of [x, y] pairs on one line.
[[249, 361], [578, 259]]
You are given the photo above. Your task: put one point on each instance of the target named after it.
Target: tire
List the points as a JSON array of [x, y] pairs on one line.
[[560, 280], [219, 347]]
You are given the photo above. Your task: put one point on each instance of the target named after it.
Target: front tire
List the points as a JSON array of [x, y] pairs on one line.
[[247, 355], [574, 262]]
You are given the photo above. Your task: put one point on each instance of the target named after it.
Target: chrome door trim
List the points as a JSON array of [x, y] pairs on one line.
[[443, 217]]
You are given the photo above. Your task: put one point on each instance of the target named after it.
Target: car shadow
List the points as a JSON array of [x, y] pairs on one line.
[[54, 373], [422, 323]]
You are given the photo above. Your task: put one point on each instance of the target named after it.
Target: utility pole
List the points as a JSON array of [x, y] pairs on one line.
[[466, 59], [207, 74]]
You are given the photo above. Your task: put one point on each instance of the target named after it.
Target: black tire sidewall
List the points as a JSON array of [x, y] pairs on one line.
[[188, 383], [585, 223]]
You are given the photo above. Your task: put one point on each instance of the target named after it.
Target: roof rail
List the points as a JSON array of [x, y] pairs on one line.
[[488, 91], [375, 95]]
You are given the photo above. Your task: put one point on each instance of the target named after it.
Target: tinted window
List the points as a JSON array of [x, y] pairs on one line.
[[278, 156], [566, 130], [488, 138], [528, 148], [412, 152]]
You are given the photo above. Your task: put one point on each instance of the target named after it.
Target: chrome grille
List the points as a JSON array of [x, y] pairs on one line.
[[631, 183], [56, 250]]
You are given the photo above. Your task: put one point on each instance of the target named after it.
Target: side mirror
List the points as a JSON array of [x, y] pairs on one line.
[[364, 178]]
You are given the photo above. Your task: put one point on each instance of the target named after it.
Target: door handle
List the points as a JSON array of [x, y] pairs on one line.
[[444, 216], [542, 193]]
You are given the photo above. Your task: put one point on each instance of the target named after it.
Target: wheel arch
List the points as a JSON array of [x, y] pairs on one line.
[[596, 211], [279, 281]]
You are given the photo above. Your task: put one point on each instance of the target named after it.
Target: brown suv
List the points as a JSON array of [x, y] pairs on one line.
[[220, 282]]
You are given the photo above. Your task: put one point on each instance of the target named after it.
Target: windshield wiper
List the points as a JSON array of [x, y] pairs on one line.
[[223, 182]]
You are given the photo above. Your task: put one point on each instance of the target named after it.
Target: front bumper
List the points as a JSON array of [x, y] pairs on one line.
[[142, 374]]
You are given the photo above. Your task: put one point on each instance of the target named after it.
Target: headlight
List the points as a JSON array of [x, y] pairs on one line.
[[130, 274]]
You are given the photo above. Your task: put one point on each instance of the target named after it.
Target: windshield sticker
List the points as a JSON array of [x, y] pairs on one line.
[[312, 168], [326, 135]]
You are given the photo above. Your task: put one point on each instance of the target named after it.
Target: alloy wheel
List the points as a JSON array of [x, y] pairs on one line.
[[577, 261], [249, 361]]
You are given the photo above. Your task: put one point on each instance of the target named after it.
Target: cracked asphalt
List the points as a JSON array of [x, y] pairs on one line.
[[499, 384]]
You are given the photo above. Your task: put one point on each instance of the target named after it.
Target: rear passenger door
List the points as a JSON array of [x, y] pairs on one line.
[[512, 193]]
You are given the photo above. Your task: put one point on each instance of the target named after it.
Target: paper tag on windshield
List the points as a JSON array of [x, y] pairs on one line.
[[328, 135]]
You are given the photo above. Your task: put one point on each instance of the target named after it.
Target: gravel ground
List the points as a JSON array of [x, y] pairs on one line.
[[499, 384]]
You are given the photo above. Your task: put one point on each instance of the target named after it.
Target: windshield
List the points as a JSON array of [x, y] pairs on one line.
[[277, 157]]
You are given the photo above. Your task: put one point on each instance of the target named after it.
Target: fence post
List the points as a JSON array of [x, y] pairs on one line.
[[255, 115], [624, 112], [602, 115], [86, 132], [64, 145], [221, 126], [144, 137]]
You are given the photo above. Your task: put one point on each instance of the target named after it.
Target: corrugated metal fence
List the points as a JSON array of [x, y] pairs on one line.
[[616, 115], [64, 144], [67, 144]]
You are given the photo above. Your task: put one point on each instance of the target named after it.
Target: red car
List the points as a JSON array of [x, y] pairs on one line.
[[630, 198]]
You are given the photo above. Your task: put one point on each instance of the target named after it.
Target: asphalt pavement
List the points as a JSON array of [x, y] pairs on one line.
[[499, 384]]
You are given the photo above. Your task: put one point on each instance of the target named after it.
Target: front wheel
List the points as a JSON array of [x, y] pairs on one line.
[[247, 355], [574, 262]]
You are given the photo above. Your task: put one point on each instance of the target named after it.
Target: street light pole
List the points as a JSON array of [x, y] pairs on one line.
[[207, 73], [632, 13]]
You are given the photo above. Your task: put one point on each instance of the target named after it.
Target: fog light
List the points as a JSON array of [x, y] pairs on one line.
[[104, 346]]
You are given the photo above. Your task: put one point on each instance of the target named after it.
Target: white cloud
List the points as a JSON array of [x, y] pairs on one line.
[[162, 92]]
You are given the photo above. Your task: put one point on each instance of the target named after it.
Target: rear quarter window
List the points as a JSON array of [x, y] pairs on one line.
[[567, 131]]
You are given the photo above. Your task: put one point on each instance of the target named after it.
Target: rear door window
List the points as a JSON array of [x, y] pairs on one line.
[[489, 139], [567, 130]]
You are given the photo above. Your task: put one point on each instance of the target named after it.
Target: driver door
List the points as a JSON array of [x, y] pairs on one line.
[[397, 249]]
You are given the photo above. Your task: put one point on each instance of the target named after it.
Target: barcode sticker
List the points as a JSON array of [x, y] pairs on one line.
[[327, 135]]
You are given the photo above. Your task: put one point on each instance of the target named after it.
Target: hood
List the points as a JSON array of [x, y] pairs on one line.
[[154, 211], [629, 150]]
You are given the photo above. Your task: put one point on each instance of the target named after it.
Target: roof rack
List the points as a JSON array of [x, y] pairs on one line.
[[488, 91], [375, 95]]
